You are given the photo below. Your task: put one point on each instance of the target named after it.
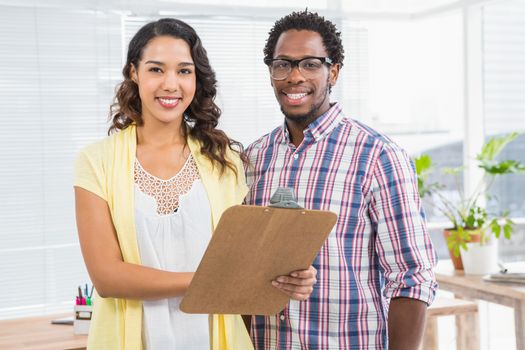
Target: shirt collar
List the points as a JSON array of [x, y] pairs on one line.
[[322, 126]]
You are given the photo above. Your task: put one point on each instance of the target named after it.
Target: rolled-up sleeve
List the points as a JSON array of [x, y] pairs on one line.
[[405, 252]]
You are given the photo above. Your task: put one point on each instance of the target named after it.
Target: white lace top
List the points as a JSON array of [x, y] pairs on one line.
[[173, 220]]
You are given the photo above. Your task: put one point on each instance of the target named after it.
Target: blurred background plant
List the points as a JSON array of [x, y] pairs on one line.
[[467, 214]]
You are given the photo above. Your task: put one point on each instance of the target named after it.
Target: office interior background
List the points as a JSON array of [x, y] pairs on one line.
[[438, 76]]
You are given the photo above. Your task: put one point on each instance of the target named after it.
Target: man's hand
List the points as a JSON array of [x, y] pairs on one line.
[[298, 284]]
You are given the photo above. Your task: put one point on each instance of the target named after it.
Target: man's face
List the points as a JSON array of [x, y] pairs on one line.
[[303, 99]]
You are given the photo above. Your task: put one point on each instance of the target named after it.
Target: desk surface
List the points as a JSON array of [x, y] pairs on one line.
[[474, 287], [37, 333], [457, 282]]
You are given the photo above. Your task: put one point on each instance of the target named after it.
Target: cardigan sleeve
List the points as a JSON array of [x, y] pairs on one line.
[[89, 171]]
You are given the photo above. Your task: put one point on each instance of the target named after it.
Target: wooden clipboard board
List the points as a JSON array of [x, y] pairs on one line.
[[250, 247]]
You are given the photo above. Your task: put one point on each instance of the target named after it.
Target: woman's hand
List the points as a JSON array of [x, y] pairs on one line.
[[298, 284]]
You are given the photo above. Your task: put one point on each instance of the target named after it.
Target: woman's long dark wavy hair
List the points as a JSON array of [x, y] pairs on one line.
[[202, 115]]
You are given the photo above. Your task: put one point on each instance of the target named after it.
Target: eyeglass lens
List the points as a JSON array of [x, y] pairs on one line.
[[309, 67]]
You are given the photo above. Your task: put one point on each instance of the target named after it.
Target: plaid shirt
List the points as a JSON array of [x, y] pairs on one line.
[[379, 248]]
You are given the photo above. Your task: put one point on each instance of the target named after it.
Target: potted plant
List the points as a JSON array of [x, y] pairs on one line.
[[472, 227]]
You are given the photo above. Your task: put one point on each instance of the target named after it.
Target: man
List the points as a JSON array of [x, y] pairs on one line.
[[376, 266]]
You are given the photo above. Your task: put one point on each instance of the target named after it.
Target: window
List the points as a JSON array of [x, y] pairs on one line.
[[504, 90], [59, 70]]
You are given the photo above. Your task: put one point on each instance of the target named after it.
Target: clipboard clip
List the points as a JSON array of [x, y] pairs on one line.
[[284, 197]]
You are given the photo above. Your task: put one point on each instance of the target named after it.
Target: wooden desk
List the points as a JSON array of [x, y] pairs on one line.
[[37, 333], [473, 287]]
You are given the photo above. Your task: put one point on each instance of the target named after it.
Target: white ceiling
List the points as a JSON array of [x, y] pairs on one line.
[[394, 6], [262, 8]]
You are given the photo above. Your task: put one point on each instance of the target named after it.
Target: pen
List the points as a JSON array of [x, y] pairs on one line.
[[86, 289], [91, 293]]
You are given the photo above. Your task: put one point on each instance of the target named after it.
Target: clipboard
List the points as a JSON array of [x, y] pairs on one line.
[[250, 247]]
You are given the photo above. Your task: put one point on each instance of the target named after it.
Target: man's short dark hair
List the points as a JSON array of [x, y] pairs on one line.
[[306, 20]]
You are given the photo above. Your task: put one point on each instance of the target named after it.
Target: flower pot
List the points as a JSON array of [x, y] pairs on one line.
[[480, 259], [456, 260]]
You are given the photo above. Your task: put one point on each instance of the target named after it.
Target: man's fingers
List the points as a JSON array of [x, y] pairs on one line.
[[297, 281], [310, 272], [290, 288], [299, 284]]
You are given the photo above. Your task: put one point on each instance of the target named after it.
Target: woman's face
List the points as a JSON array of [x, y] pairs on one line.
[[166, 79]]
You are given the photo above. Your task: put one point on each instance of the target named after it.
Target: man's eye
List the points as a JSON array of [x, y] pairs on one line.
[[311, 65], [281, 65]]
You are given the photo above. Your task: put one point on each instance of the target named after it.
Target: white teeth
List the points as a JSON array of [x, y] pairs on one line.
[[168, 101], [296, 96]]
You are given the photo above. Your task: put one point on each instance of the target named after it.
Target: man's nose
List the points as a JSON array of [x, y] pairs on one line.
[[295, 75]]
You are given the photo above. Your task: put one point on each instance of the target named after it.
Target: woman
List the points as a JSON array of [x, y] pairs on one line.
[[149, 195]]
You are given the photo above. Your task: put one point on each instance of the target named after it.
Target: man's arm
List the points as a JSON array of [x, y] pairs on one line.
[[403, 247], [406, 323]]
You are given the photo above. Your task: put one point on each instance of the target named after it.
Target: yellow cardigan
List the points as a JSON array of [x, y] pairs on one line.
[[106, 169]]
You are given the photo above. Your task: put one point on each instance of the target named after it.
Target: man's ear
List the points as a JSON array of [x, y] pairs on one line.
[[334, 73], [269, 75]]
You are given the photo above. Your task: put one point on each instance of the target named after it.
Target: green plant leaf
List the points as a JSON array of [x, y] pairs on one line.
[[494, 146], [423, 164], [457, 240], [503, 167], [507, 229], [475, 217], [463, 211], [495, 227]]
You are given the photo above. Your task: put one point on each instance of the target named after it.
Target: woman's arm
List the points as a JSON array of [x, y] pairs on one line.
[[111, 276]]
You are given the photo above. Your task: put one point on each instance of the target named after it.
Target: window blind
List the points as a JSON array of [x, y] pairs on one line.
[[504, 93], [504, 66], [58, 70], [58, 77]]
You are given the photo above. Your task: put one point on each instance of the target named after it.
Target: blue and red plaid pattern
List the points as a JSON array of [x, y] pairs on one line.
[[379, 248]]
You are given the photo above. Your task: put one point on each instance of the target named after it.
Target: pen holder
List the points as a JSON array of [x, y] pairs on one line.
[[82, 318]]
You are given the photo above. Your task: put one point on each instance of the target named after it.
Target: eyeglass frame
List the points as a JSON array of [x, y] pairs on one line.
[[295, 63]]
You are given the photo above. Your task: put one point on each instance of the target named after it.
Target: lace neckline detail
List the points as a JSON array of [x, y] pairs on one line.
[[167, 193]]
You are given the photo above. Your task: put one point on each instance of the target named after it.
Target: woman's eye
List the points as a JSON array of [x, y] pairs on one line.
[[185, 71], [155, 70]]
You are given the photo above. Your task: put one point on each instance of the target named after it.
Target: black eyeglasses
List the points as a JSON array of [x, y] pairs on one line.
[[310, 67]]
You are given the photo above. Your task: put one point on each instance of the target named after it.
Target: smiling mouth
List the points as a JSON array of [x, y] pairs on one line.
[[296, 96], [168, 102]]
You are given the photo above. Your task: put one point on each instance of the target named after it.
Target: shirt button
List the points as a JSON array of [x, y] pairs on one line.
[[295, 156], [281, 317]]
